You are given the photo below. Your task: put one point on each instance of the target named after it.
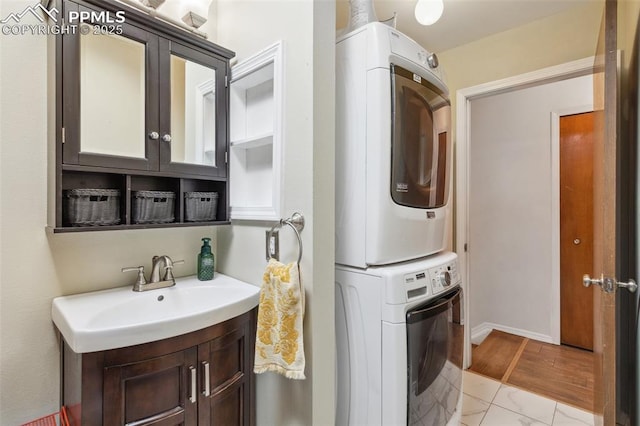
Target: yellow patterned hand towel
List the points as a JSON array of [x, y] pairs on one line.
[[279, 343]]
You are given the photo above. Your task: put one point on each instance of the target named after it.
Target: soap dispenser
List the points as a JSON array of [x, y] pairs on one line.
[[205, 261]]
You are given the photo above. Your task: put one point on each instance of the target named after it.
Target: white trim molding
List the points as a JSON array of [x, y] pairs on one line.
[[480, 332]]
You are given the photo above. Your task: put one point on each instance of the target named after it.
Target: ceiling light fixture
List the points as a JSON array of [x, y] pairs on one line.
[[429, 11]]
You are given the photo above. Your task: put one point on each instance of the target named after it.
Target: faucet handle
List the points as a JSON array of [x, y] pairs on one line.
[[168, 270], [140, 280]]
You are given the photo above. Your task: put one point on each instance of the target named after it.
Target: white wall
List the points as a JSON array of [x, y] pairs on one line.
[[511, 240], [36, 266], [307, 30]]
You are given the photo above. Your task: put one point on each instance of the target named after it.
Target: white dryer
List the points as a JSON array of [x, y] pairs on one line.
[[399, 334], [393, 149]]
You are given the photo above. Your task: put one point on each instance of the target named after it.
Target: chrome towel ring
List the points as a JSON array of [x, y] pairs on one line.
[[296, 222]]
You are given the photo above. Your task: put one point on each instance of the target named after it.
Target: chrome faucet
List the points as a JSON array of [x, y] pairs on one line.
[[168, 280]]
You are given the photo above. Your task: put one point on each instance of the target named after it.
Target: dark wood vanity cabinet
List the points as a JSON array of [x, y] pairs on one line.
[[141, 105], [201, 378]]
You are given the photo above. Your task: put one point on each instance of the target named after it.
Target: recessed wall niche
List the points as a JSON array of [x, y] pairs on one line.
[[256, 135]]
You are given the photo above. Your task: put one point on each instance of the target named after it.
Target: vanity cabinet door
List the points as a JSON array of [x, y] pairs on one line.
[[156, 391], [227, 363]]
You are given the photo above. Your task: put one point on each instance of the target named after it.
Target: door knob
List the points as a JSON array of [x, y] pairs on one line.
[[587, 281], [631, 285], [166, 137], [154, 136], [607, 284], [576, 241]]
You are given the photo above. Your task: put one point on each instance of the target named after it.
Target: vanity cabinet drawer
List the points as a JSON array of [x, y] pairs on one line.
[[201, 378]]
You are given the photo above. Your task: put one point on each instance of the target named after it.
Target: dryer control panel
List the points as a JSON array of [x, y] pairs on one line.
[[443, 277]]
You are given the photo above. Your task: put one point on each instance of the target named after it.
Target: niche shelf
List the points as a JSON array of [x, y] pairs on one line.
[[253, 141], [255, 160]]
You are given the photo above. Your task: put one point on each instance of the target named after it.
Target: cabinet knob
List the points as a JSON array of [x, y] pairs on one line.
[[154, 136], [166, 137]]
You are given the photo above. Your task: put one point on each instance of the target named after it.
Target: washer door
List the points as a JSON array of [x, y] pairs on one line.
[[434, 356]]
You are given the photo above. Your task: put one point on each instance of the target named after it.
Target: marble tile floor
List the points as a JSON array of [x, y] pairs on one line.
[[487, 402]]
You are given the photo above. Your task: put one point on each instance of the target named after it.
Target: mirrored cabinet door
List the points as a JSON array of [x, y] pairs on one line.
[[192, 119], [110, 113]]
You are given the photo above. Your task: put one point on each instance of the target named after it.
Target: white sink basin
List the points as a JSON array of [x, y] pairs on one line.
[[120, 317]]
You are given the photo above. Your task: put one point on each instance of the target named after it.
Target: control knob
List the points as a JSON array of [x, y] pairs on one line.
[[445, 278], [432, 61]]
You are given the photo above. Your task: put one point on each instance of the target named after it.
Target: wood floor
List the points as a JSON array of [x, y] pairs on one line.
[[561, 373]]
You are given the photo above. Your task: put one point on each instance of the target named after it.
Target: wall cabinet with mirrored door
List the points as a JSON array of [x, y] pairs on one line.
[[142, 119]]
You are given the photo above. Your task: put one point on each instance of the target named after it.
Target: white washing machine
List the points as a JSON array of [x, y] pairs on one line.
[[399, 333], [393, 149]]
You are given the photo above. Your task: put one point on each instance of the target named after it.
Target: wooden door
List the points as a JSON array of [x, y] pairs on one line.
[[576, 228], [604, 217]]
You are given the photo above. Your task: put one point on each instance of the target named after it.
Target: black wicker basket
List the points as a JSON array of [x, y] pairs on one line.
[[153, 206], [92, 207], [200, 206]]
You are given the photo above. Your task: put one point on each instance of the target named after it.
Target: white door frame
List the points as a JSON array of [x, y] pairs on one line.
[[463, 119]]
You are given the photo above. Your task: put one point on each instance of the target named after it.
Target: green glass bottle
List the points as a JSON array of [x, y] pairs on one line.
[[206, 265]]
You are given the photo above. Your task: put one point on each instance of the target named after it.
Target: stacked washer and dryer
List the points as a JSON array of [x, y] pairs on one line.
[[398, 293]]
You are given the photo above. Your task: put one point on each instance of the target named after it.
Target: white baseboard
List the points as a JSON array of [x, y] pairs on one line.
[[480, 332]]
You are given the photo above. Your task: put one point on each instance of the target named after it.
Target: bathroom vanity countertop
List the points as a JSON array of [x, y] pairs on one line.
[[120, 317]]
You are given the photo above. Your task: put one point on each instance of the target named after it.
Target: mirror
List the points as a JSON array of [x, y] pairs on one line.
[[193, 112], [112, 95]]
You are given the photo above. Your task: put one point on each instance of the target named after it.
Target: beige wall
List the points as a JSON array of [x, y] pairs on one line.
[[306, 28], [550, 41]]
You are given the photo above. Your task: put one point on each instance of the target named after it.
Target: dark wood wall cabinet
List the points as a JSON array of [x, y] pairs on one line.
[[142, 110], [201, 378]]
